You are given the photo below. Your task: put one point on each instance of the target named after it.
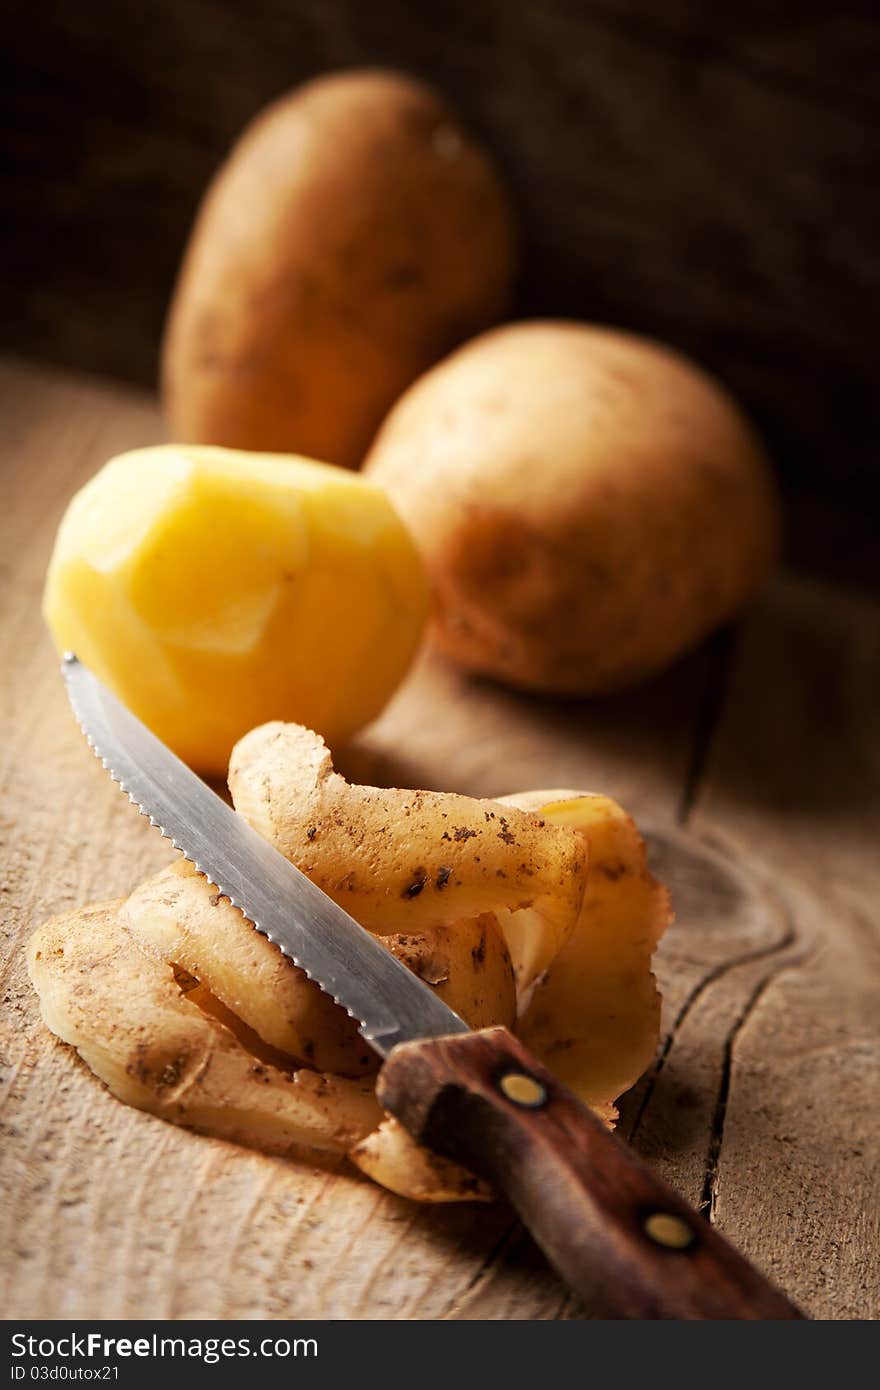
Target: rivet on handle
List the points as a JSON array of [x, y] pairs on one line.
[[671, 1231], [523, 1090]]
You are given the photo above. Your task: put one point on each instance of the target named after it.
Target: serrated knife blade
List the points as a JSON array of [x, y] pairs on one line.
[[389, 1002]]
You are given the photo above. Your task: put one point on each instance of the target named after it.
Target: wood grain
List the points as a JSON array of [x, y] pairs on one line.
[[755, 765]]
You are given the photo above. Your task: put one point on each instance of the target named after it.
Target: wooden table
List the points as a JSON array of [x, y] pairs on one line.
[[755, 765]]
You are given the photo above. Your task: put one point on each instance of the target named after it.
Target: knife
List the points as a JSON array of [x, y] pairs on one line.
[[623, 1240]]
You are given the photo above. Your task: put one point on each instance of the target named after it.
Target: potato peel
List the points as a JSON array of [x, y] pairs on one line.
[[127, 1018], [400, 860], [594, 1019], [183, 1010]]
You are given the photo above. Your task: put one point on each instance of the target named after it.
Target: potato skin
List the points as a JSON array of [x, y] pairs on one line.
[[460, 857], [156, 1049], [588, 504], [355, 234], [183, 1010]]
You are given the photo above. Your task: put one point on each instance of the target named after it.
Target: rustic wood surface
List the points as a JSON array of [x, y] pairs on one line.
[[755, 765]]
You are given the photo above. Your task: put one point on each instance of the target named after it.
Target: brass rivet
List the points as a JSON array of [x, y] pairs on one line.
[[523, 1089], [665, 1229]]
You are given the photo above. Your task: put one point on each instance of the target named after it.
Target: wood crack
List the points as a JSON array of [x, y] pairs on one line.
[[775, 948], [709, 1193], [721, 651]]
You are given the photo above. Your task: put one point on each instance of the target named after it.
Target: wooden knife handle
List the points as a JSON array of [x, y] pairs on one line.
[[623, 1240]]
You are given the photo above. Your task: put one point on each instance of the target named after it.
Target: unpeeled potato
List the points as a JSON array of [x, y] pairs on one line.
[[355, 234], [212, 589], [588, 504], [184, 1010]]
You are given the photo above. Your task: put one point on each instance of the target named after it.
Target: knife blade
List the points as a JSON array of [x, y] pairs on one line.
[[623, 1240], [276, 897]]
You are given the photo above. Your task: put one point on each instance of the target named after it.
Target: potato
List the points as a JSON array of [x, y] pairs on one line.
[[355, 235], [588, 504], [184, 1010], [213, 589]]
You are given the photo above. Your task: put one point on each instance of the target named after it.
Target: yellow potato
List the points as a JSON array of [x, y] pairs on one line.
[[213, 590], [354, 235], [588, 504]]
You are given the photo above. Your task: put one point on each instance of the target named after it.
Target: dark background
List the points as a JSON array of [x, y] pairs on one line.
[[702, 173]]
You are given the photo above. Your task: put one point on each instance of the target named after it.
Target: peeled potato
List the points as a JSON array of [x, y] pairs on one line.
[[588, 504], [355, 234], [183, 1009], [212, 590]]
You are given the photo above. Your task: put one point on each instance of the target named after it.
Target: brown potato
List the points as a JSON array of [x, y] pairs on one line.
[[355, 234], [588, 504]]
